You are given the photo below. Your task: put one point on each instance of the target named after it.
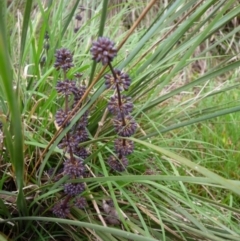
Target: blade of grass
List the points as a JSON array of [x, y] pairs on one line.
[[204, 171], [113, 231], [195, 120], [15, 133], [100, 33], [207, 76], [27, 14]]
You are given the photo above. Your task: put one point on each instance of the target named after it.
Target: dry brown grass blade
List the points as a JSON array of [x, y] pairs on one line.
[[146, 211], [135, 24], [97, 208], [95, 203], [106, 192]]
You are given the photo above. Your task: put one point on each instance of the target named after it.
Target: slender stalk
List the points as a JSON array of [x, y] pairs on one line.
[[118, 93]]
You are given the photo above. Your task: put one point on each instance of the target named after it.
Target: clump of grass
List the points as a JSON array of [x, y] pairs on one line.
[[119, 105], [167, 190], [74, 164]]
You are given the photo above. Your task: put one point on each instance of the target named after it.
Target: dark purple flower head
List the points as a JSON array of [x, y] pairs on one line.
[[83, 121], [125, 108], [66, 87], [81, 202], [74, 167], [81, 134], [74, 189], [123, 147], [64, 59], [103, 50], [61, 209], [78, 17], [68, 143], [125, 130], [81, 152], [118, 164], [61, 116], [75, 30], [122, 80], [79, 94]]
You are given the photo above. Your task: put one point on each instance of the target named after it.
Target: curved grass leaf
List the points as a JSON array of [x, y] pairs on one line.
[[14, 133], [184, 161], [96, 227], [100, 33]]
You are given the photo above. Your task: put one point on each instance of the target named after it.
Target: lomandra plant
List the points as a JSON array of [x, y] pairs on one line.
[[74, 164], [174, 67], [119, 105]]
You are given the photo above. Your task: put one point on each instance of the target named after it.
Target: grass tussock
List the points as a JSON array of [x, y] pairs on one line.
[[119, 120]]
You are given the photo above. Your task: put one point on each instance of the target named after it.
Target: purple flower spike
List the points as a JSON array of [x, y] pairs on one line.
[[103, 50]]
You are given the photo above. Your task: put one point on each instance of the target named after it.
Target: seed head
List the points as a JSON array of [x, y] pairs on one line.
[[125, 108], [78, 17], [123, 147], [103, 50], [81, 202], [81, 134], [74, 167], [61, 209], [79, 94], [66, 87], [81, 152], [75, 30], [61, 116], [83, 121], [118, 164], [64, 59], [69, 143], [73, 189], [125, 130], [122, 80]]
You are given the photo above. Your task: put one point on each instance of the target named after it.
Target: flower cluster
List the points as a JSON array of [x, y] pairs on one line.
[[120, 106], [46, 47], [78, 19], [73, 166]]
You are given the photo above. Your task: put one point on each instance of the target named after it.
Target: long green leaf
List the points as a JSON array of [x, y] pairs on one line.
[[100, 33], [184, 161], [113, 231], [15, 132]]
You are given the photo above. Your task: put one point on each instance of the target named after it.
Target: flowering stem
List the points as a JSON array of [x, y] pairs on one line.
[[66, 111], [118, 93], [67, 200], [119, 101]]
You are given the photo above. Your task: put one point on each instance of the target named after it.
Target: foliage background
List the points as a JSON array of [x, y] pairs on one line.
[[182, 180]]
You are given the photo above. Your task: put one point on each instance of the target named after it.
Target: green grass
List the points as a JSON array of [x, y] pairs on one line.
[[182, 181]]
